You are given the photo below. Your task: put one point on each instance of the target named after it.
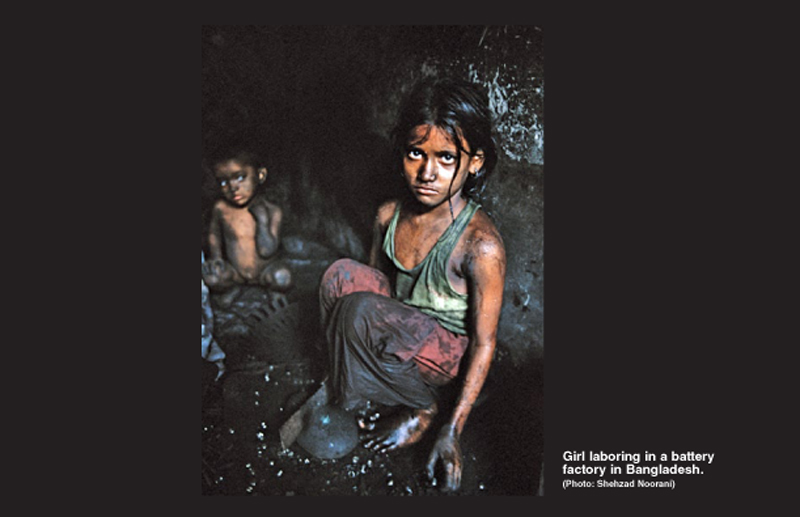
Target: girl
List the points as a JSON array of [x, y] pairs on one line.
[[431, 294]]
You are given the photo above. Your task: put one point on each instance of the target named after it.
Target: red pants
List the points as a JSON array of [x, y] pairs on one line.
[[381, 349]]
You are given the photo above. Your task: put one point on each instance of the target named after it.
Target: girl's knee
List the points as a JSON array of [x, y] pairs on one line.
[[340, 268], [338, 274], [347, 276]]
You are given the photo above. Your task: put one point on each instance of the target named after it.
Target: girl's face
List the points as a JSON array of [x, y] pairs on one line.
[[238, 183], [429, 165]]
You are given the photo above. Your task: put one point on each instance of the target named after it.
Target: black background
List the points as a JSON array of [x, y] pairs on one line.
[[650, 318]]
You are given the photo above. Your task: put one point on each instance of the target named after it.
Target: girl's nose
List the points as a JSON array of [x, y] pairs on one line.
[[428, 171]]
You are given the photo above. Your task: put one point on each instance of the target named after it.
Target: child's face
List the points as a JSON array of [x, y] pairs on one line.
[[430, 165], [238, 182]]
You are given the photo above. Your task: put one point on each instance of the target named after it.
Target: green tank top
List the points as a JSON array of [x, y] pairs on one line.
[[426, 286]]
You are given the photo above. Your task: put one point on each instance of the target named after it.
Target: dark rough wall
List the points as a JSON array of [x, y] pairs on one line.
[[318, 102]]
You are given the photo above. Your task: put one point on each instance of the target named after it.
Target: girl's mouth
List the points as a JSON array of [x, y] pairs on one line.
[[426, 191]]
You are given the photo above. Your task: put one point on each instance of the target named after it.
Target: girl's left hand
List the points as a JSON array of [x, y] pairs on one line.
[[448, 450]]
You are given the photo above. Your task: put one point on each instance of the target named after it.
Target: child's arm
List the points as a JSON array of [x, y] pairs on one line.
[[214, 237], [268, 226], [485, 269], [377, 258], [216, 273]]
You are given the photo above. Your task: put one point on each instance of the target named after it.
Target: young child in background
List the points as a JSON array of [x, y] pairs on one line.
[[244, 230]]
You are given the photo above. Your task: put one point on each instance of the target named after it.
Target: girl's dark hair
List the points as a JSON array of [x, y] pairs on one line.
[[458, 108]]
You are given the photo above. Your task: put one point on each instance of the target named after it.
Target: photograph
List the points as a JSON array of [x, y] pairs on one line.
[[372, 261]]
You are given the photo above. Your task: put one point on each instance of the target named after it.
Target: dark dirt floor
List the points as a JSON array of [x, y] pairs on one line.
[[263, 384]]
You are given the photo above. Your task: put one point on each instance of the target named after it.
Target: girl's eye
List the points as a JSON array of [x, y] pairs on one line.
[[448, 158], [222, 183], [414, 153]]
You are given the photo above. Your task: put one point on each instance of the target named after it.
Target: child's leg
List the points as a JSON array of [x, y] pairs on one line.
[[219, 275], [373, 340], [223, 280], [376, 343], [347, 276], [277, 276]]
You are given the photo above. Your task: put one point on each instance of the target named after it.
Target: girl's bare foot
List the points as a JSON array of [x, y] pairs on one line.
[[406, 427]]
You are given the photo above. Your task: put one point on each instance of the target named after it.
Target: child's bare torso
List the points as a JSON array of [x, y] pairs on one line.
[[239, 228]]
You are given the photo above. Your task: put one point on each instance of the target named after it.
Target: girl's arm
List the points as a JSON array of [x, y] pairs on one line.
[[377, 258], [485, 268]]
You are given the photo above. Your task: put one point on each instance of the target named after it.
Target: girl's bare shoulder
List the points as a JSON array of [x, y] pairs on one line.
[[385, 212], [482, 239]]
